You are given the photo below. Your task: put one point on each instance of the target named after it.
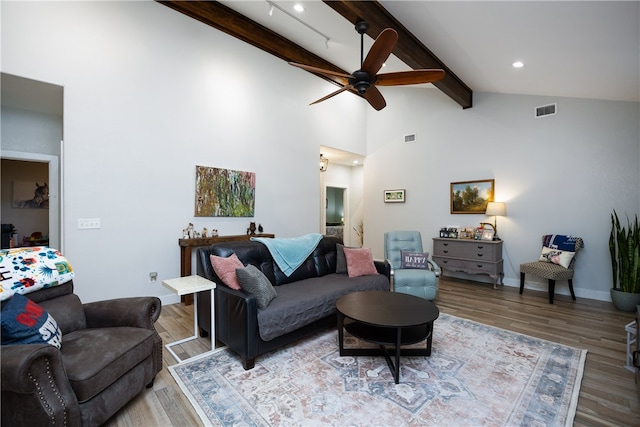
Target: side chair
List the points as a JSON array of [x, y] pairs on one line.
[[556, 262]]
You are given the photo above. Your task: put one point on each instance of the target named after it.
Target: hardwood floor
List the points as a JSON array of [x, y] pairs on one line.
[[608, 395]]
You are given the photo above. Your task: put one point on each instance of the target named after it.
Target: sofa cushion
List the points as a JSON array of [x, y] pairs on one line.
[[225, 268], [359, 262], [25, 322], [302, 303], [253, 281], [95, 358], [68, 312]]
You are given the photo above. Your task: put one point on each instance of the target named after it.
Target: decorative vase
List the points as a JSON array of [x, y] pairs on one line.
[[624, 301]]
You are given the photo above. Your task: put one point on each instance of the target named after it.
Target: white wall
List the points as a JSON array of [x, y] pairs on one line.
[[560, 174], [150, 94]]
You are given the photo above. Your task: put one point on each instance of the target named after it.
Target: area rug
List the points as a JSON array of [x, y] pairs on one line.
[[477, 375]]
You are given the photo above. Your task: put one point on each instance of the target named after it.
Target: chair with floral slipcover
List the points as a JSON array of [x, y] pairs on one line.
[[556, 262]]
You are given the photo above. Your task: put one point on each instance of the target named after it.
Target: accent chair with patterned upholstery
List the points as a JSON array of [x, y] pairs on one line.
[[556, 262], [418, 278]]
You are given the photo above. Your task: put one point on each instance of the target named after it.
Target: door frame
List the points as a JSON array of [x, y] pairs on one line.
[[55, 213]]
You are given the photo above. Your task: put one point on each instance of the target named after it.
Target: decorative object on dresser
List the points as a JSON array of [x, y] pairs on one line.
[[496, 209], [471, 197], [470, 256], [555, 263]]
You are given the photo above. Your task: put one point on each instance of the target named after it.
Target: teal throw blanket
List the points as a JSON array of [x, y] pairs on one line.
[[290, 253]]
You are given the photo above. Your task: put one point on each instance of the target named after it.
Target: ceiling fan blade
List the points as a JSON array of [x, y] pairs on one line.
[[321, 71], [332, 94], [412, 77], [380, 51], [375, 98]]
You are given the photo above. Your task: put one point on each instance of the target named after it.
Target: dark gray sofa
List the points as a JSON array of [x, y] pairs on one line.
[[305, 302]]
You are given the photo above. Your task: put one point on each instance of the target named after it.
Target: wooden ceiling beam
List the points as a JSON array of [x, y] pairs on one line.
[[229, 21], [409, 49]]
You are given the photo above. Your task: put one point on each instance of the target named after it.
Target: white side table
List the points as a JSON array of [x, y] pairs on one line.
[[192, 285]]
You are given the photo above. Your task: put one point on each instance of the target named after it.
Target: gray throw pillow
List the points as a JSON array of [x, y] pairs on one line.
[[255, 282], [341, 261]]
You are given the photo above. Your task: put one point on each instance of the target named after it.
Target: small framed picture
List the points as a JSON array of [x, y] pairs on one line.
[[487, 235], [394, 196]]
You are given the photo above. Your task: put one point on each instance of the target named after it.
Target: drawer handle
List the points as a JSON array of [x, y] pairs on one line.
[[445, 261], [479, 265], [445, 244], [480, 254], [480, 247], [446, 252]]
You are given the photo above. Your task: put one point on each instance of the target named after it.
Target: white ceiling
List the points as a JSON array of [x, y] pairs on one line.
[[582, 49]]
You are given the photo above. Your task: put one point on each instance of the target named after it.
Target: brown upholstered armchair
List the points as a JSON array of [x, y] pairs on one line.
[[110, 352]]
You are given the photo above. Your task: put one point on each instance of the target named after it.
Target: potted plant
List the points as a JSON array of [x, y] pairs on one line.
[[624, 245]]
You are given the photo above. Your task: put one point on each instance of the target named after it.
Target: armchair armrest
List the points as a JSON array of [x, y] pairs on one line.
[[141, 312], [383, 267], [35, 388], [435, 267]]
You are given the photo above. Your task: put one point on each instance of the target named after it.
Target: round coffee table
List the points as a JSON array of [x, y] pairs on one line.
[[389, 319]]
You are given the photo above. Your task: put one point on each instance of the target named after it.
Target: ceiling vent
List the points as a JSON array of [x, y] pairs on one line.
[[546, 110], [411, 138]]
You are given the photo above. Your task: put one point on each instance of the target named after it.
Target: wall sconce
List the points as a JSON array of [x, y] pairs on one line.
[[496, 209], [324, 163]]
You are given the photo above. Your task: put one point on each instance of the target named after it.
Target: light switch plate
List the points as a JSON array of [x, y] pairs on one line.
[[88, 223]]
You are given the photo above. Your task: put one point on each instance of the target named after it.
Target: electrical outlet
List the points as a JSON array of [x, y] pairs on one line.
[[88, 223], [153, 276]]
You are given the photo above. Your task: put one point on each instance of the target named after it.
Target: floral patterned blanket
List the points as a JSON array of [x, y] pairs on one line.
[[24, 270]]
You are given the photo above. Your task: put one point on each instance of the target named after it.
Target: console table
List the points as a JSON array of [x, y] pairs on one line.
[[186, 245], [470, 256]]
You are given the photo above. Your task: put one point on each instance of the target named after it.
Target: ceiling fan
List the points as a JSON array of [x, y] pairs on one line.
[[363, 82]]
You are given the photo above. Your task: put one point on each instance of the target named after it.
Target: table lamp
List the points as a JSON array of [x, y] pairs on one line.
[[496, 209]]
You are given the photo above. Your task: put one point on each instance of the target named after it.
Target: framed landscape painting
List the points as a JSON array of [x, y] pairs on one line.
[[471, 197]]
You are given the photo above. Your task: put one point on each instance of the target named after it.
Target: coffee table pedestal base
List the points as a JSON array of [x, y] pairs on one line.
[[394, 337]]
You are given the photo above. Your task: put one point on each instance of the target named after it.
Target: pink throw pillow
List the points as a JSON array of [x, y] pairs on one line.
[[359, 262], [225, 268]]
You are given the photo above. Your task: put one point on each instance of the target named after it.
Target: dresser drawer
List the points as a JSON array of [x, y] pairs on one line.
[[470, 249], [491, 267]]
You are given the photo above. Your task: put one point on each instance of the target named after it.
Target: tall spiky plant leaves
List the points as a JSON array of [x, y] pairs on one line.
[[624, 246]]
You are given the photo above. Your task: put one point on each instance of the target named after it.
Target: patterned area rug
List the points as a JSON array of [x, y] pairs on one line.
[[477, 375]]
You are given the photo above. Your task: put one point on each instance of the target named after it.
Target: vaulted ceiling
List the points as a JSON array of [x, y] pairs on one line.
[[409, 49], [580, 49]]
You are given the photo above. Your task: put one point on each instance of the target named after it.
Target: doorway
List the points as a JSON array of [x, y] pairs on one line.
[[30, 168], [32, 133]]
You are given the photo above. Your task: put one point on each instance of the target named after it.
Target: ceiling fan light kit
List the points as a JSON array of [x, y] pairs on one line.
[[363, 81]]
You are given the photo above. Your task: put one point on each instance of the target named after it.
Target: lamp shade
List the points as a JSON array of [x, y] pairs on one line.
[[496, 209]]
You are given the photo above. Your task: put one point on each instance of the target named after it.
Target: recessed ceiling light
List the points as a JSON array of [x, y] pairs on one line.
[[355, 162], [518, 64], [298, 8]]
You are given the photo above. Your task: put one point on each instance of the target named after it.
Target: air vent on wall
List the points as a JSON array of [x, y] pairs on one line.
[[546, 110], [408, 139]]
